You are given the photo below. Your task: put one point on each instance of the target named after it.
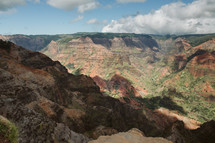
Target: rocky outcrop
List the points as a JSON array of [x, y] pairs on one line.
[[203, 64], [166, 118], [64, 135], [199, 60], [132, 136], [119, 87], [204, 134], [101, 131]]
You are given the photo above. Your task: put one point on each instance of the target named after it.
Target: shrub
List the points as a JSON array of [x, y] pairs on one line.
[[9, 130]]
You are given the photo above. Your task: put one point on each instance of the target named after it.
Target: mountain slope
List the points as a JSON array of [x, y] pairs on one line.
[[153, 66], [47, 104], [177, 67], [39, 93]]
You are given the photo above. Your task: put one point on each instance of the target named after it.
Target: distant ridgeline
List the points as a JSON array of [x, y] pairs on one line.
[[38, 42]]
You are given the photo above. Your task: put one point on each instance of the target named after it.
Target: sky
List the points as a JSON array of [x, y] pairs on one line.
[[34, 17]]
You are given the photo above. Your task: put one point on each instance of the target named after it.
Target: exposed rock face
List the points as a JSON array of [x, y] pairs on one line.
[[204, 134], [120, 87], [199, 61], [101, 131], [203, 64], [104, 57], [165, 118], [132, 136], [64, 135], [76, 52]]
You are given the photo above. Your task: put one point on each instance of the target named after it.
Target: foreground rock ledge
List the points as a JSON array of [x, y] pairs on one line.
[[132, 136]]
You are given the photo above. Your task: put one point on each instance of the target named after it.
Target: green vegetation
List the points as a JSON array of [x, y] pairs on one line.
[[192, 39], [113, 35], [198, 39], [213, 85], [196, 107], [36, 42], [187, 93], [47, 38], [179, 91], [9, 130], [65, 39], [70, 66], [112, 94], [68, 37], [77, 71], [161, 101], [162, 37]]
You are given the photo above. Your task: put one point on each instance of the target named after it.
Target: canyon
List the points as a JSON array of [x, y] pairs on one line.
[[164, 86]]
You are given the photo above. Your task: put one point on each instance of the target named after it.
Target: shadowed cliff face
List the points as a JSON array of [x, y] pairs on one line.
[[120, 88], [138, 42]]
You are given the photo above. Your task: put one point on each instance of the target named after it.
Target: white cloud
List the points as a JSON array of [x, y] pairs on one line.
[[88, 6], [36, 1], [127, 1], [9, 11], [82, 5], [80, 17], [174, 18], [6, 5], [95, 21], [91, 21]]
